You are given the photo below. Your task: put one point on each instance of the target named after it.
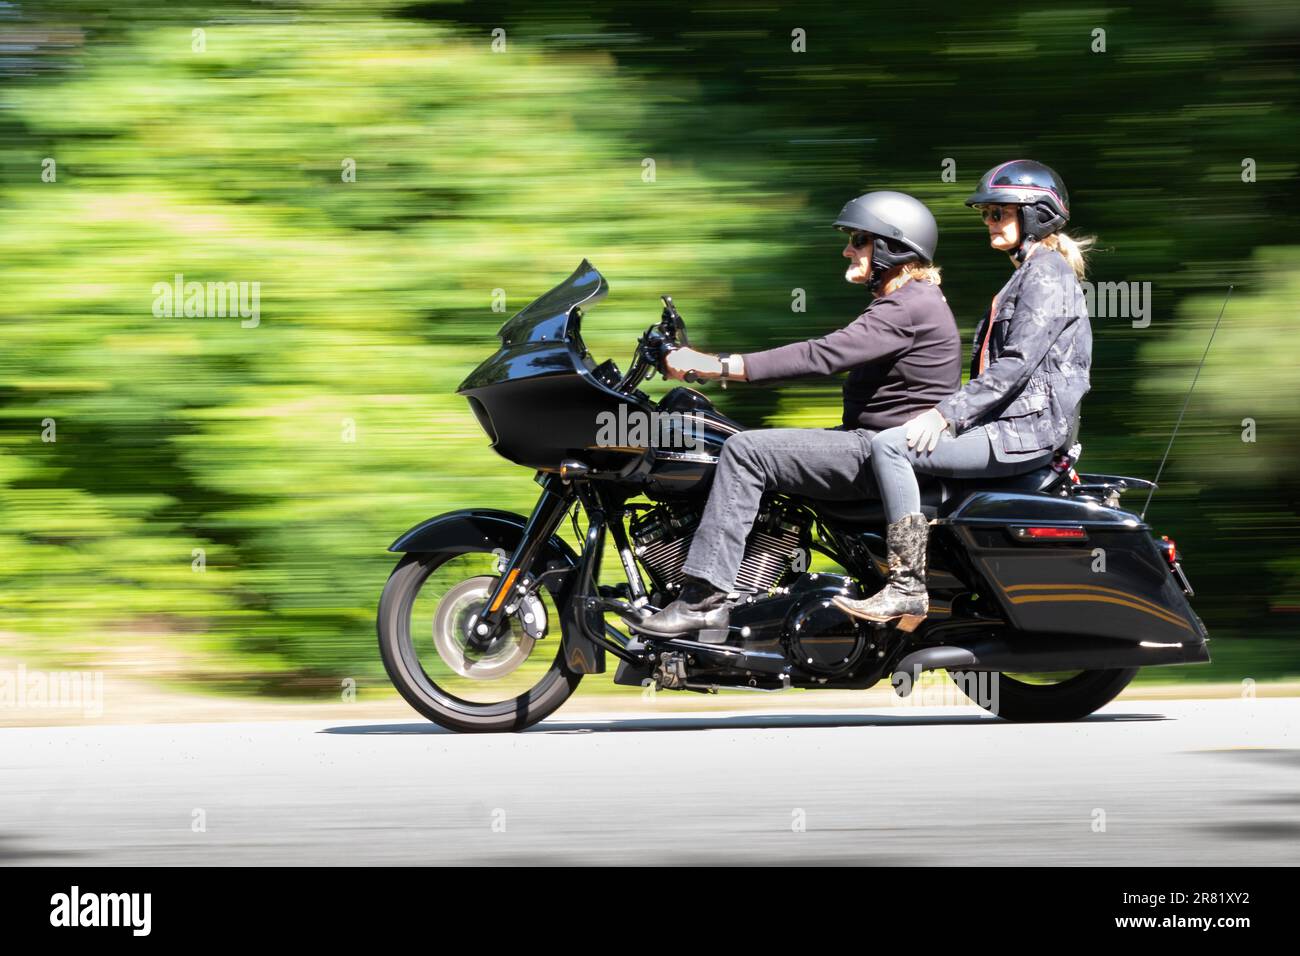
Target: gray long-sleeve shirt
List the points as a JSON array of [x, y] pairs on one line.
[[903, 355]]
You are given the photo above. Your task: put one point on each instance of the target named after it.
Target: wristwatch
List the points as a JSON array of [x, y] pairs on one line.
[[725, 359]]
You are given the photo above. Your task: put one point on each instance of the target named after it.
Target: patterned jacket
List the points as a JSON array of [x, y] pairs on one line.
[[1039, 351]]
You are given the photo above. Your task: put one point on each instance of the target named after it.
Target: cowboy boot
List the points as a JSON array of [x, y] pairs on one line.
[[904, 597], [699, 607]]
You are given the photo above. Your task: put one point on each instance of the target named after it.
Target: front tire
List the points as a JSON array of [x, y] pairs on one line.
[[1024, 699], [441, 696]]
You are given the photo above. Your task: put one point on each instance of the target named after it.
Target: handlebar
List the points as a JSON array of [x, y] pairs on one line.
[[653, 348], [672, 322]]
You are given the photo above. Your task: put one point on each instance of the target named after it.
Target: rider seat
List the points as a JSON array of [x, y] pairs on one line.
[[937, 492]]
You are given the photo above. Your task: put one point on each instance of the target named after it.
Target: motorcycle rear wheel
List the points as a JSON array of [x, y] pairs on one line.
[[1024, 699], [524, 682]]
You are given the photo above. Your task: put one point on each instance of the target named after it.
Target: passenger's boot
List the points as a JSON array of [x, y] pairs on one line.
[[699, 607], [904, 598]]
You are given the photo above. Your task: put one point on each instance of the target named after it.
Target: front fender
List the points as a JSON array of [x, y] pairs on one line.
[[474, 529]]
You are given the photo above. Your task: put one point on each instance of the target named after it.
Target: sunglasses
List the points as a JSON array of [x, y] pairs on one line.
[[992, 214], [859, 240]]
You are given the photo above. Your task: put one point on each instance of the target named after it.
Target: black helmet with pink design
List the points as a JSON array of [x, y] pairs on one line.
[[1035, 188]]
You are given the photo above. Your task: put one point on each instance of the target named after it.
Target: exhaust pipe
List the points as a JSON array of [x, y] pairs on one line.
[[908, 671], [1047, 654]]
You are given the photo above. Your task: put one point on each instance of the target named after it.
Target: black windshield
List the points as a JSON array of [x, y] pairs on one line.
[[547, 317]]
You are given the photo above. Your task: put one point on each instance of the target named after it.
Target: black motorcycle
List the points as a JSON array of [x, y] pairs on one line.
[[1039, 581]]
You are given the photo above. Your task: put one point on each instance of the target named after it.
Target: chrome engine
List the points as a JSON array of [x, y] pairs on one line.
[[661, 537]]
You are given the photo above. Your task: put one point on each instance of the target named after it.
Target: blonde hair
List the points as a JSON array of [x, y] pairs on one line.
[[910, 271], [1074, 248]]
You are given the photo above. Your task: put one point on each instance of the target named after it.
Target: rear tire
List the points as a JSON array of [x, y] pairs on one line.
[[425, 695], [1071, 699]]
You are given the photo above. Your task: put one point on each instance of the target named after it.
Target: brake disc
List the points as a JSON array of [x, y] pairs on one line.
[[501, 657]]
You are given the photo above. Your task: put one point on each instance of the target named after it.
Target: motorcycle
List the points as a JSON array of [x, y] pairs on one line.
[[1040, 582]]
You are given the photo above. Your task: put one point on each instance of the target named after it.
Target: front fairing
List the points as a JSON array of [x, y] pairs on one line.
[[541, 397]]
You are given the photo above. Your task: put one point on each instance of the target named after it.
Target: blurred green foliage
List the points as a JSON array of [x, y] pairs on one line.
[[293, 452]]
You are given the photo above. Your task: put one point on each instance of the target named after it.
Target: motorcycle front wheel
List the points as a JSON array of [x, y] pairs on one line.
[[516, 681], [1035, 698]]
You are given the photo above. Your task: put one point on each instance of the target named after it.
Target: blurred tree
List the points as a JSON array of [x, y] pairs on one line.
[[293, 450]]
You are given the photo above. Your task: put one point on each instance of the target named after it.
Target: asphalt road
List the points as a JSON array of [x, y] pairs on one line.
[[1142, 782]]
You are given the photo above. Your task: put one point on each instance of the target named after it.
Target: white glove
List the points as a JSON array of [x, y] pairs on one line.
[[924, 430]]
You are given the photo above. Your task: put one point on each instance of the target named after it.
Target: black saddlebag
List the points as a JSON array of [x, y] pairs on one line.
[[1076, 567]]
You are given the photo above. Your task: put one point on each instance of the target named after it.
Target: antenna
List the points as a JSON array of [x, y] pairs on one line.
[[1159, 470]]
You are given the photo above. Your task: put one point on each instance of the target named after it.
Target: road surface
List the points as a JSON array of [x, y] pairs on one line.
[[1141, 782]]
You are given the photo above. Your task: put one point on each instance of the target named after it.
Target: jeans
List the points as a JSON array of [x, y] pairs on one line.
[[968, 455], [826, 463]]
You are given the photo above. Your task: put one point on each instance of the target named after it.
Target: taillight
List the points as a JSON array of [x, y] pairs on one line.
[[1169, 548], [1033, 533]]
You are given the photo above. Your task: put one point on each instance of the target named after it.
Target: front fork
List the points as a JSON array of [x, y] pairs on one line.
[[582, 609], [516, 578]]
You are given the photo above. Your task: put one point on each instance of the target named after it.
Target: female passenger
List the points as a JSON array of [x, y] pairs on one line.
[[1029, 371]]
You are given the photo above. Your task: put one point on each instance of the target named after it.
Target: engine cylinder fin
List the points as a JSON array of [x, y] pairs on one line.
[[662, 539]]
